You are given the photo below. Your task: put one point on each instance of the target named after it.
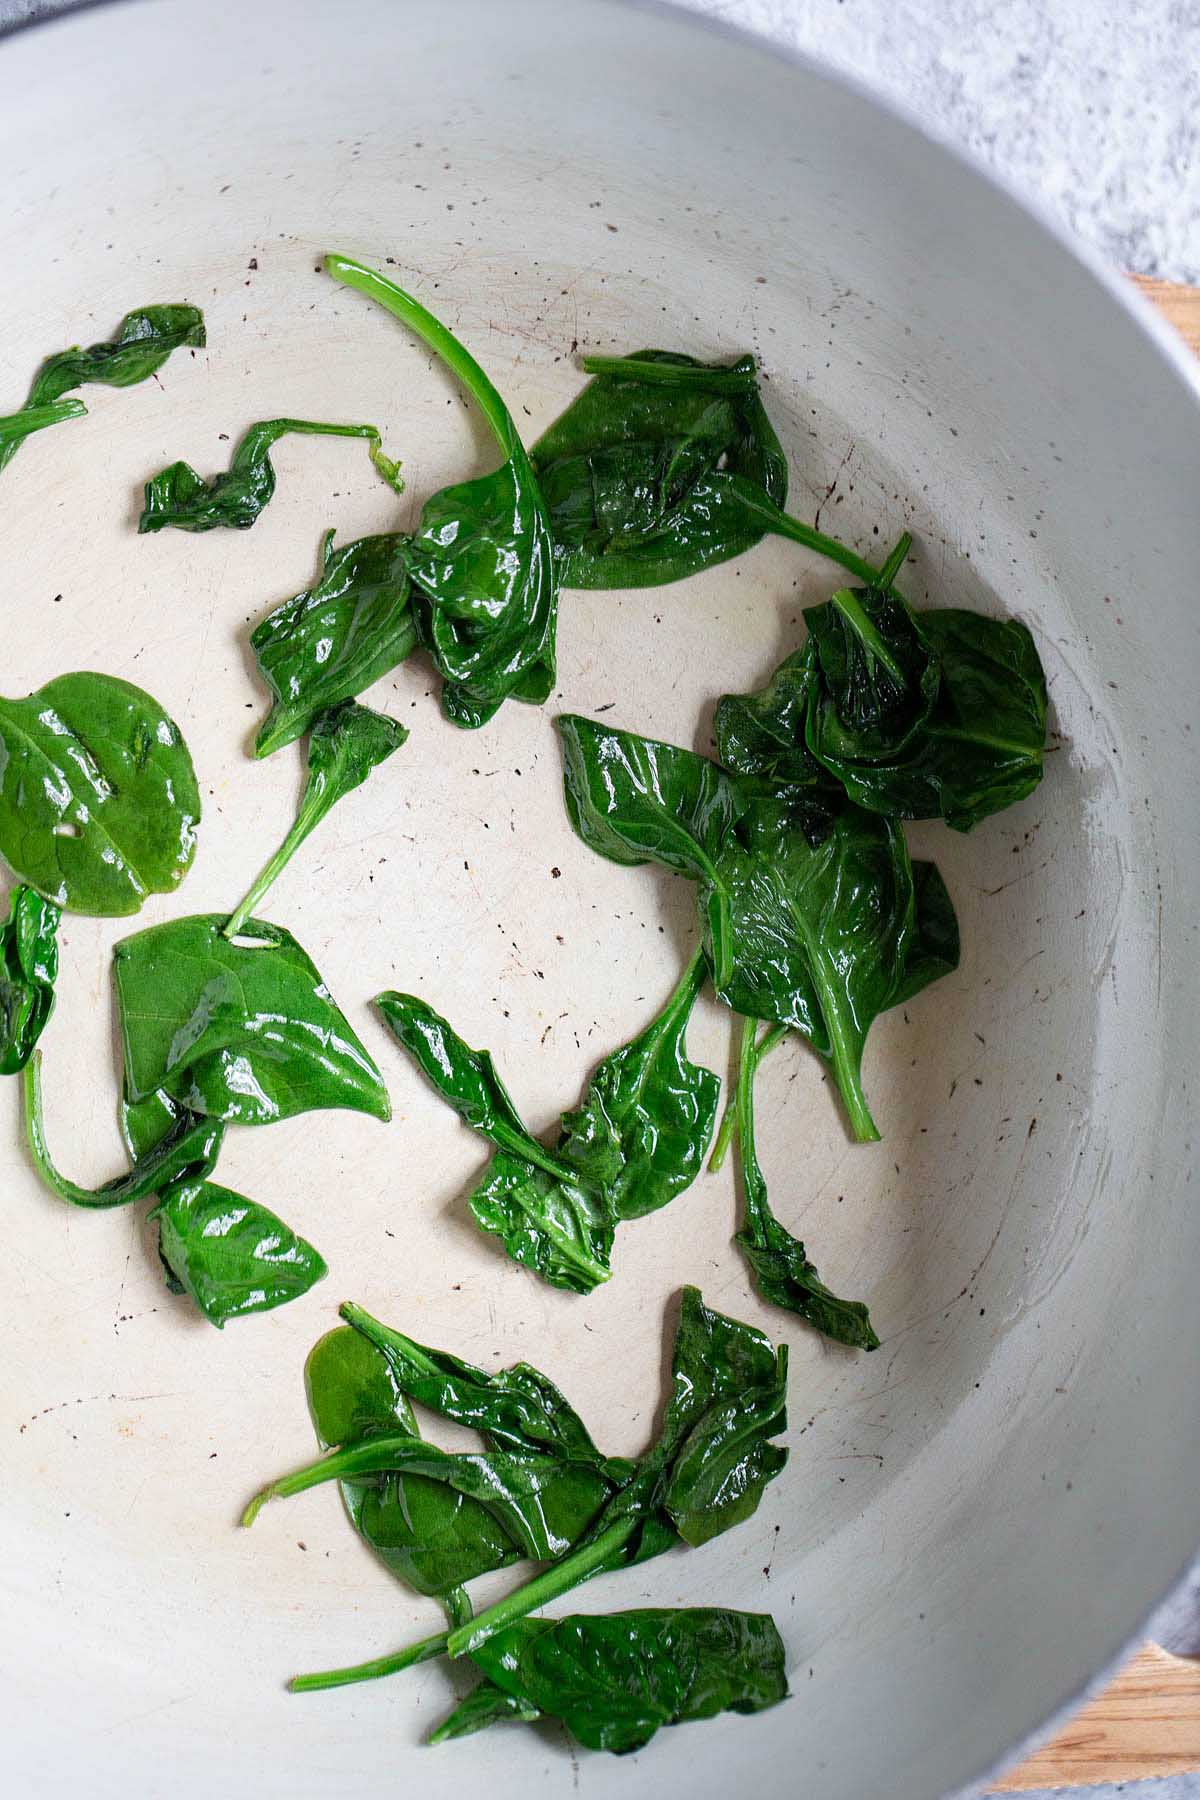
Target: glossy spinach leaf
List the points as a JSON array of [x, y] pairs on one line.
[[782, 1272], [615, 1678], [244, 1032], [16, 427], [761, 736], [934, 950], [424, 1532], [98, 799], [178, 496], [231, 1255], [482, 556], [643, 1128], [28, 972], [143, 342], [337, 637], [635, 800], [820, 934], [636, 474], [485, 1705], [517, 1409], [344, 745], [188, 1151]]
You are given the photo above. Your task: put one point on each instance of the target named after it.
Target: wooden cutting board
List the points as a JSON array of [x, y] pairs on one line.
[[1147, 1721]]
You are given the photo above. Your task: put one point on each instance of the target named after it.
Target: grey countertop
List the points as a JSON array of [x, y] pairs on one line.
[[1092, 108]]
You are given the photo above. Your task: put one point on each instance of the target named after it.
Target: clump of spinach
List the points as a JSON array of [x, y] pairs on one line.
[[637, 1139], [28, 972], [548, 1493], [337, 637], [177, 496], [614, 1678], [142, 345], [482, 557], [345, 743], [98, 798]]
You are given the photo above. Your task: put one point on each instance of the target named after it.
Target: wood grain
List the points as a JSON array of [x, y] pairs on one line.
[[1147, 1721]]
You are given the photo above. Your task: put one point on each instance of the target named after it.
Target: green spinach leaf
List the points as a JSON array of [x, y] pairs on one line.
[[231, 1255], [615, 1678], [98, 799], [142, 345], [337, 637], [934, 949], [344, 745], [16, 427], [782, 1272], [178, 496], [636, 473], [28, 972], [244, 1032], [482, 557]]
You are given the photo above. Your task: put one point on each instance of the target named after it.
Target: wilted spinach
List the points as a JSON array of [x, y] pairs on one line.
[[15, 427], [142, 345], [98, 799], [246, 1032], [637, 473], [637, 1139], [782, 1272], [541, 1476], [482, 556], [28, 972], [344, 745], [178, 496], [615, 1678], [231, 1255], [337, 637]]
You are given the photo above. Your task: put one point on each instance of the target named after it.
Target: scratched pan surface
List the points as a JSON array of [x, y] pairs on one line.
[[973, 1519]]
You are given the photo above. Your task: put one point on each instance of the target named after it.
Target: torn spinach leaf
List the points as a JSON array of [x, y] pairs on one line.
[[337, 637], [615, 1678], [637, 472], [638, 1138], [188, 1151], [16, 427], [231, 1255], [98, 799], [782, 1272], [482, 556], [28, 972], [244, 1031], [177, 496], [706, 1472], [344, 745], [142, 345]]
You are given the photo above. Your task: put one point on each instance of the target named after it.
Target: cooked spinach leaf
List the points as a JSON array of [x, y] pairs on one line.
[[636, 473], [337, 637], [782, 1272], [178, 496], [15, 427], [934, 948], [98, 799], [482, 556], [28, 972], [142, 345], [231, 1255], [344, 745], [188, 1151], [615, 1678], [244, 1032], [705, 1473], [637, 1139]]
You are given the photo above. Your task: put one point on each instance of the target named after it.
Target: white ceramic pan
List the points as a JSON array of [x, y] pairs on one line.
[[974, 1519]]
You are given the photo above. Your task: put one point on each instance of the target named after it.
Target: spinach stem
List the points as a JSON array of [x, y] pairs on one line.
[[739, 378], [371, 1671], [560, 1578], [774, 1036], [855, 615], [312, 811], [261, 437], [895, 562], [457, 359], [371, 1456]]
